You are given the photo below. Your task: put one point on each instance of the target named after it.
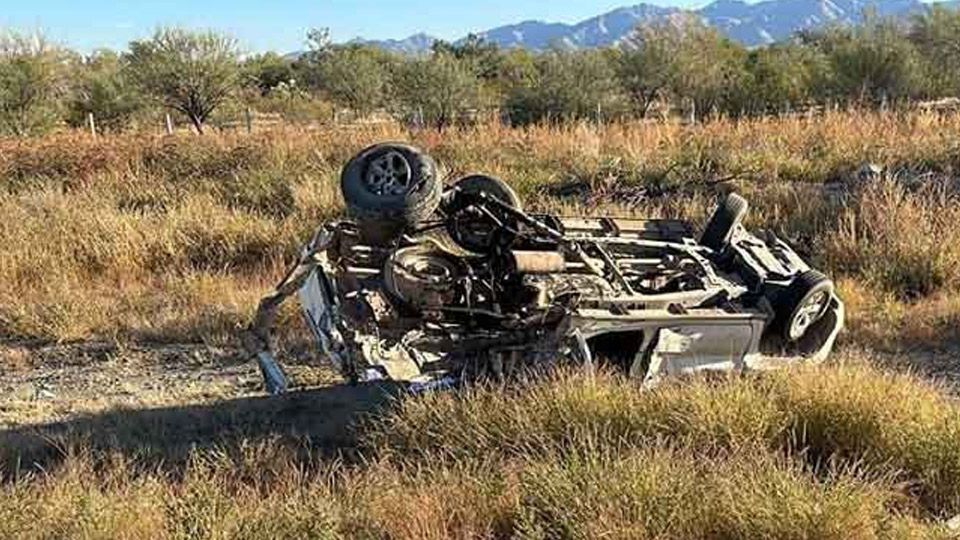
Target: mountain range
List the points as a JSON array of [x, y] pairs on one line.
[[751, 24]]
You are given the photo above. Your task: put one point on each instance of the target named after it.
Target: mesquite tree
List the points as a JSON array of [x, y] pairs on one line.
[[190, 72]]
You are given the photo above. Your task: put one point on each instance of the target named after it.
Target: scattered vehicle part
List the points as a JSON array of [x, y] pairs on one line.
[[434, 290]]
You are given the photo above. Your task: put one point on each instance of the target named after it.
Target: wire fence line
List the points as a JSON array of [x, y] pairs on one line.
[[250, 119]]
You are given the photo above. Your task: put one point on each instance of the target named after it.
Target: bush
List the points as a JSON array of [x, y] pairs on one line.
[[104, 90], [192, 73], [351, 76], [265, 72], [439, 90], [32, 81], [568, 87], [872, 63]]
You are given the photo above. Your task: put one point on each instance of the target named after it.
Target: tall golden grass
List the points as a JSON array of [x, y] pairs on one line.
[[173, 238], [812, 453], [150, 238]]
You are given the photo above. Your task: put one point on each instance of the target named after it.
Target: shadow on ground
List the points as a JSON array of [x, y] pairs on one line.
[[317, 422]]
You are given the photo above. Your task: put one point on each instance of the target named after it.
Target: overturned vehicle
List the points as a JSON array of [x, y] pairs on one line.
[[433, 286]]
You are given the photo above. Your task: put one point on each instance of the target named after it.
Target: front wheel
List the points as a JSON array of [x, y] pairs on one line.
[[803, 304]]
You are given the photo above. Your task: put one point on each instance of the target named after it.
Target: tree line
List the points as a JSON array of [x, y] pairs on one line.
[[676, 65]]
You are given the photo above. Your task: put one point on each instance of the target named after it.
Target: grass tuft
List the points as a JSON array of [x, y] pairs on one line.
[[837, 452]]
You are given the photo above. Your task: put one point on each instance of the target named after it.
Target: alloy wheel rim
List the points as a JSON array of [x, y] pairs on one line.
[[389, 175], [808, 313]]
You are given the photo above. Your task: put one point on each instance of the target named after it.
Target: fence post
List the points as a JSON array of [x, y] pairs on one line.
[[169, 125], [92, 123], [249, 118]]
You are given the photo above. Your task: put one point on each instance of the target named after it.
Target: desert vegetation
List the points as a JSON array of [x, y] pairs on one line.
[[677, 67], [811, 453], [173, 238], [141, 238], [136, 238]]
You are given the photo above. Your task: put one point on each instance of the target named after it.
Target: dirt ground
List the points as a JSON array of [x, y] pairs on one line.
[[56, 383], [159, 402]]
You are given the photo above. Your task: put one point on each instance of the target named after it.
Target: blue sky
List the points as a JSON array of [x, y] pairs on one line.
[[281, 25]]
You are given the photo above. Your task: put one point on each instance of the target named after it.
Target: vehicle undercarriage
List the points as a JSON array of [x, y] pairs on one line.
[[434, 286]]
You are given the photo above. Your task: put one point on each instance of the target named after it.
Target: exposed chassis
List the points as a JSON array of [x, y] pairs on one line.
[[646, 296]]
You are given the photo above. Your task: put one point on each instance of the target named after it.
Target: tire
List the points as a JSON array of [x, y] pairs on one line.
[[491, 185], [420, 277], [802, 304], [724, 221], [390, 187], [475, 233]]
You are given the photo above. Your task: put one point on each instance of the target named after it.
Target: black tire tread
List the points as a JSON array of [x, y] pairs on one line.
[[728, 215], [506, 192], [381, 218], [494, 186], [794, 294]]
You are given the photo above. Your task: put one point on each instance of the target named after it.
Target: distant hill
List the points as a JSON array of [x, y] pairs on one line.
[[774, 20], [751, 24], [412, 45]]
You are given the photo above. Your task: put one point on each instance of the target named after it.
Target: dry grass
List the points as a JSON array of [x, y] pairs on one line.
[[147, 239], [811, 453], [898, 240], [854, 414], [172, 239]]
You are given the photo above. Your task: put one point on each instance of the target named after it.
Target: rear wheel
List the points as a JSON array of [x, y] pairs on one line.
[[724, 221], [802, 304], [388, 187], [473, 229]]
